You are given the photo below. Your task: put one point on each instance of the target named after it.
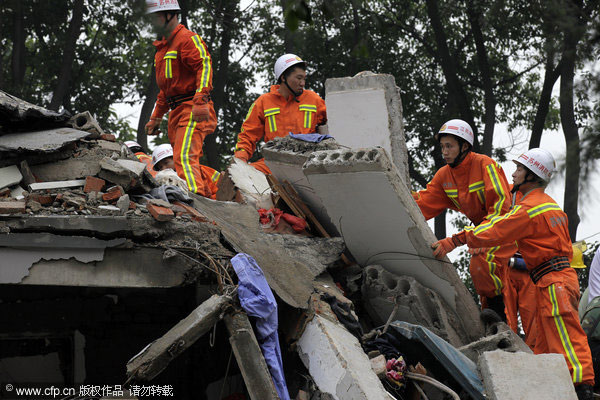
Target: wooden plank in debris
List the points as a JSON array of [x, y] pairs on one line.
[[285, 196], [153, 359], [249, 357], [56, 185]]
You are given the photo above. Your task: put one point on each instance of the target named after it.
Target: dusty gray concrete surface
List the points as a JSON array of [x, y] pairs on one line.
[[18, 114], [505, 340], [382, 290], [381, 224], [337, 362], [515, 376], [40, 141], [285, 157], [10, 176], [290, 263], [366, 111]]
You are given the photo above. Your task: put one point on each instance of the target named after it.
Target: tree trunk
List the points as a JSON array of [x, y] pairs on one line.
[[288, 36], [551, 75], [18, 50], [211, 149], [147, 108], [64, 79], [354, 57], [486, 76], [457, 98]]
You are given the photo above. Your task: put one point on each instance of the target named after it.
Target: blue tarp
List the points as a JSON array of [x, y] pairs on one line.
[[258, 301], [310, 137]]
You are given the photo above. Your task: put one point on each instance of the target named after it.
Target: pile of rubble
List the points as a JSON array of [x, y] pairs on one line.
[[361, 308]]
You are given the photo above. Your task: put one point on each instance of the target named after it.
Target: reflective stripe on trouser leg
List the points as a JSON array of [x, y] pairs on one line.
[[563, 334], [185, 155], [485, 273]]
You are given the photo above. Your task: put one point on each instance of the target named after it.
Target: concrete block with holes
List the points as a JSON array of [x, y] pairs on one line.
[[381, 224]]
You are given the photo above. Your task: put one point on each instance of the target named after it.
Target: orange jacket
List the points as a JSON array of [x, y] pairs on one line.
[[477, 187], [146, 159], [536, 222], [273, 116], [183, 65]]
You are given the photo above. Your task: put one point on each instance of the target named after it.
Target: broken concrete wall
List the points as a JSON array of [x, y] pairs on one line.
[[381, 224], [337, 362], [285, 157], [366, 111], [382, 291]]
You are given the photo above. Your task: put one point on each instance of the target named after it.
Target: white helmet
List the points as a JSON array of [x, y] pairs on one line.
[[154, 6], [160, 153], [132, 144], [538, 161], [284, 62], [457, 127]]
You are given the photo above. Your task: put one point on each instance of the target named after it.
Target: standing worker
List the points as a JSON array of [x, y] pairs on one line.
[[287, 108], [540, 228], [476, 186], [184, 76]]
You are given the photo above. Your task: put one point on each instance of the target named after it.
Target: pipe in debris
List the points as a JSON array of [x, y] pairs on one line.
[[433, 382]]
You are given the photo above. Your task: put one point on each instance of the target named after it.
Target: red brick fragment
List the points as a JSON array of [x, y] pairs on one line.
[[43, 199], [108, 137], [160, 213], [93, 184], [191, 211], [132, 205], [113, 194], [12, 207]]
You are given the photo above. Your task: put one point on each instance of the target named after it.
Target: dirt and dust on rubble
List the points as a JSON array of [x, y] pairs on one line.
[[316, 282]]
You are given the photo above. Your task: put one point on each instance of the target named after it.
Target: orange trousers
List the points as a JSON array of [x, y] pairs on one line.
[[558, 329], [187, 138], [519, 298], [487, 271]]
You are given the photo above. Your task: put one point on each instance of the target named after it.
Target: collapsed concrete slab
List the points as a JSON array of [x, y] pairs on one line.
[[505, 340], [509, 376], [40, 141], [381, 224], [16, 114], [366, 111], [337, 362], [285, 157], [382, 291], [290, 263]]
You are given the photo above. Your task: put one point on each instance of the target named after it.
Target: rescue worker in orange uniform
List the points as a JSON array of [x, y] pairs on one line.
[[540, 228], [184, 76], [475, 185], [138, 152], [287, 108]]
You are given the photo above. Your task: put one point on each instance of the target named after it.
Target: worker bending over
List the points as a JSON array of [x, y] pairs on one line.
[[287, 108], [162, 159], [476, 186], [540, 228], [184, 76]]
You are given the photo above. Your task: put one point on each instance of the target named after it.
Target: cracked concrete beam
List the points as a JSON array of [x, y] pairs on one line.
[[381, 224], [155, 357], [290, 263], [10, 176]]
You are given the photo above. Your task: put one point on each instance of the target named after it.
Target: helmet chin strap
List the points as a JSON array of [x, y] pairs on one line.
[[292, 90], [458, 158], [518, 185]]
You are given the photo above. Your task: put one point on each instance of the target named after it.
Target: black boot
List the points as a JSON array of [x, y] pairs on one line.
[[584, 392], [497, 304]]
